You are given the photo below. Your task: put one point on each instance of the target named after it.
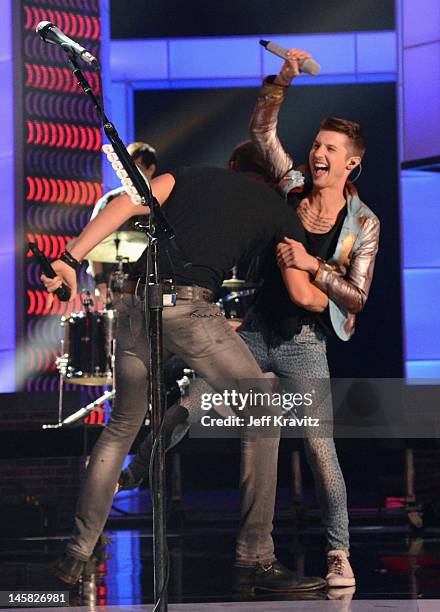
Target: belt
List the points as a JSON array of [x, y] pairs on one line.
[[183, 292]]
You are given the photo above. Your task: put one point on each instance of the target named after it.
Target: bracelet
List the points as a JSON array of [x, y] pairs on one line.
[[70, 260], [100, 278], [321, 262]]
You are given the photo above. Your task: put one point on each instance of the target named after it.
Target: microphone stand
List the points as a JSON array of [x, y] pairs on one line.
[[158, 229]]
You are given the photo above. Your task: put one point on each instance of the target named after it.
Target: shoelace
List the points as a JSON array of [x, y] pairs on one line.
[[336, 564]]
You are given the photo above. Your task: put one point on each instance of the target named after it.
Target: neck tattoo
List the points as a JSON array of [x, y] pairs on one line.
[[312, 220]]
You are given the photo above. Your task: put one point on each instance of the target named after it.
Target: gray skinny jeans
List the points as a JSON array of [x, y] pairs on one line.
[[198, 333]]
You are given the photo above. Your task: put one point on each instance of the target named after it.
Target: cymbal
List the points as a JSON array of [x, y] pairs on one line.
[[130, 247], [233, 282]]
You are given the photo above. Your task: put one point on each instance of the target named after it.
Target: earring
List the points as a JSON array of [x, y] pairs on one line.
[[353, 180]]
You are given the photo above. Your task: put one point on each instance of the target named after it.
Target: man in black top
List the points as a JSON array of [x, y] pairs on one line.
[[219, 217]]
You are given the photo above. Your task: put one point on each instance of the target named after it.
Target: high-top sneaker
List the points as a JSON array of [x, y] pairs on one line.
[[339, 572]]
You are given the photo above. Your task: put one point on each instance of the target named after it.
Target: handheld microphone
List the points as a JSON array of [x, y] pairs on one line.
[[63, 292], [308, 65], [51, 34]]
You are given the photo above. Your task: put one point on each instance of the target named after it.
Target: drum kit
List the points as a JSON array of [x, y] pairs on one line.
[[89, 345], [88, 348], [237, 296]]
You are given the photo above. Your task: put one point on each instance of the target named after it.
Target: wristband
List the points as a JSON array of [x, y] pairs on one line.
[[70, 260]]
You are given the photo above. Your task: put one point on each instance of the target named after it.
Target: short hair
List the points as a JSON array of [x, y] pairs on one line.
[[247, 158], [144, 152], [351, 129]]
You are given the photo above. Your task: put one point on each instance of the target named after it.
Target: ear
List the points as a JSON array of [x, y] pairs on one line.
[[352, 163]]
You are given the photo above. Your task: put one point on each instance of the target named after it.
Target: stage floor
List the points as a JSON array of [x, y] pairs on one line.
[[394, 570], [341, 605]]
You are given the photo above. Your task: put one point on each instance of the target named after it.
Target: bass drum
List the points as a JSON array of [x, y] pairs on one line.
[[90, 347]]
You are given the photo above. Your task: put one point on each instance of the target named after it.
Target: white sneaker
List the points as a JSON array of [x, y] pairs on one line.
[[344, 597], [339, 573]]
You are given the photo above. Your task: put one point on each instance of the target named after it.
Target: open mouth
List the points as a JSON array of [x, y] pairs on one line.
[[319, 170]]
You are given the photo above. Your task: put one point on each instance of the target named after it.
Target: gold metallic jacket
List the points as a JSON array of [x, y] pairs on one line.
[[346, 277]]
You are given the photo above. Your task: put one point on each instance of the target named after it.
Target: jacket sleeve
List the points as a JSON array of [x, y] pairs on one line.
[[263, 128], [350, 292]]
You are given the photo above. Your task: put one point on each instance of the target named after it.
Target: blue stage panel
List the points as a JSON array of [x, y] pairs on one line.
[[376, 52], [214, 58], [421, 21], [423, 369], [421, 289], [7, 204], [7, 324], [131, 60], [421, 93], [7, 371], [344, 57], [420, 219]]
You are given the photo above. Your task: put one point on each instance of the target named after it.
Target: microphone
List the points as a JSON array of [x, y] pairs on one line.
[[63, 292], [51, 34], [308, 65]]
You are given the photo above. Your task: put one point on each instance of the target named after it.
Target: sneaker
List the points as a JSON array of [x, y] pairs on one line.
[[344, 596], [339, 573]]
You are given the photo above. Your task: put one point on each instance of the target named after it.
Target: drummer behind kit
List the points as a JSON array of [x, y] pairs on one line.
[[121, 248], [109, 262]]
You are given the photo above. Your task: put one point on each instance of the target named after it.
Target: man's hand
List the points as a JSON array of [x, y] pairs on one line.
[[292, 254], [290, 68], [64, 275]]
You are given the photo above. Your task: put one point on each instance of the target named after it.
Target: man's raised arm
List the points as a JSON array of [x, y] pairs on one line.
[[263, 124]]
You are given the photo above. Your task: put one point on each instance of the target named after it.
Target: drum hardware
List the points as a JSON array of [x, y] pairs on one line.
[[233, 282], [118, 276], [184, 382], [86, 300], [178, 377], [83, 412], [143, 227], [87, 355], [236, 303], [62, 371]]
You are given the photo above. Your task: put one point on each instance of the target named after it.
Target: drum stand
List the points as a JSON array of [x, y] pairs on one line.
[[62, 363], [61, 388], [82, 412]]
